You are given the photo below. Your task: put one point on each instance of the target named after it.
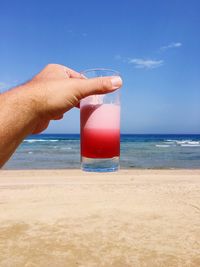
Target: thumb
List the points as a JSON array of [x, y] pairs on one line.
[[99, 85]]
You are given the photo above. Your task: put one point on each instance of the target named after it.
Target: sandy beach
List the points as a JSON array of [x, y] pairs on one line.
[[68, 218]]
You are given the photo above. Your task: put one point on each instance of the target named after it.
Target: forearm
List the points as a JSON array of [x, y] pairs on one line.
[[18, 117], [52, 92]]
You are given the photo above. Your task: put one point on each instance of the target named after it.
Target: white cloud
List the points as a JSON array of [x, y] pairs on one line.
[[172, 45], [145, 63]]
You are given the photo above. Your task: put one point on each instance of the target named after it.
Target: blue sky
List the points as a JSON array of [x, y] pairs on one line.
[[154, 44]]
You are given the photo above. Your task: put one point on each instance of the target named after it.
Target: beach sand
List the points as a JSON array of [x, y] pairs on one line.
[[67, 218]]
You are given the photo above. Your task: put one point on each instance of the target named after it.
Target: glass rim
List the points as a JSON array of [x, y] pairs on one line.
[[100, 69]]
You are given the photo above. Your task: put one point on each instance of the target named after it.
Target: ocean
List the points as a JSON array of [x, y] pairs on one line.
[[62, 151]]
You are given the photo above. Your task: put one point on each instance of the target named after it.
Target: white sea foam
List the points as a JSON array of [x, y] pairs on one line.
[[183, 143], [188, 143], [40, 140], [177, 141], [194, 143]]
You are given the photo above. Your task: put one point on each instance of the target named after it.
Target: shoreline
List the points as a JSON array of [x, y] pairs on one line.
[[147, 151], [104, 173], [73, 218], [67, 174]]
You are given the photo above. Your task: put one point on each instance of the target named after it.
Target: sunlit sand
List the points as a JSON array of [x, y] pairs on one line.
[[126, 219]]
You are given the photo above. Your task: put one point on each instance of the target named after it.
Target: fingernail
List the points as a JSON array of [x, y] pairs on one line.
[[116, 82]]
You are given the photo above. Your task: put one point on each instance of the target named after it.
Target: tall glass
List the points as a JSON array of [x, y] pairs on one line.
[[100, 128]]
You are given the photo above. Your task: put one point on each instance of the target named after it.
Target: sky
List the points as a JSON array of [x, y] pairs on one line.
[[154, 44]]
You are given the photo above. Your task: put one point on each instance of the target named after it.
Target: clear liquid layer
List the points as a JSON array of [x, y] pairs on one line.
[[100, 165]]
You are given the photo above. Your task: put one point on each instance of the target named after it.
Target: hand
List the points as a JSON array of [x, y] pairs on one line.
[[56, 89], [28, 108]]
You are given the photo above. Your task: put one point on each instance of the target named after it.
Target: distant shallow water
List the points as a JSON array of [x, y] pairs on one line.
[[61, 151]]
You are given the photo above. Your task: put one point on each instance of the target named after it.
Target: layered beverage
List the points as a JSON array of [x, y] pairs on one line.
[[100, 131], [100, 127]]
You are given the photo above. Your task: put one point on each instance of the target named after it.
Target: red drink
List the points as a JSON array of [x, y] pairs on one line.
[[100, 132], [100, 143]]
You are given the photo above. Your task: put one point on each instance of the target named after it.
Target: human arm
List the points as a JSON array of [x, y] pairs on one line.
[[28, 109]]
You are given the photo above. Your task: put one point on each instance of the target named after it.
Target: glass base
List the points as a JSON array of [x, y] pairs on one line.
[[100, 165]]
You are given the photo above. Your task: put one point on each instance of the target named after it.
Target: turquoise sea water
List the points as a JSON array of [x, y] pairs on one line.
[[61, 151]]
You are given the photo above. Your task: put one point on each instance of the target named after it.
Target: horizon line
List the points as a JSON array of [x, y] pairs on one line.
[[133, 133]]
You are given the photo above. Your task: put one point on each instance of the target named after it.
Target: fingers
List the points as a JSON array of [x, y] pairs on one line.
[[78, 105], [100, 85]]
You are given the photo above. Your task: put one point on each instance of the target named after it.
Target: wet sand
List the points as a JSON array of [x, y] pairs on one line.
[[67, 218]]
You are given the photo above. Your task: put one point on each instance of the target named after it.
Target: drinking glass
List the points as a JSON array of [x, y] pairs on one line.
[[100, 128]]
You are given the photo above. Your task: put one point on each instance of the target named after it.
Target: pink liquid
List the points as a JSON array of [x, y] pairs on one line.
[[100, 133]]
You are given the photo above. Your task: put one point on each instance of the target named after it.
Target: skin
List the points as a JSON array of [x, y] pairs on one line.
[[28, 109]]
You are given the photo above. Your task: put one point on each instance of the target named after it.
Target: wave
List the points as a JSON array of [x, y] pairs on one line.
[[194, 142], [178, 141], [190, 145], [182, 142], [40, 140], [162, 145]]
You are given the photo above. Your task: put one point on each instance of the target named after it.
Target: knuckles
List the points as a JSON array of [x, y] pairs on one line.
[[52, 66]]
